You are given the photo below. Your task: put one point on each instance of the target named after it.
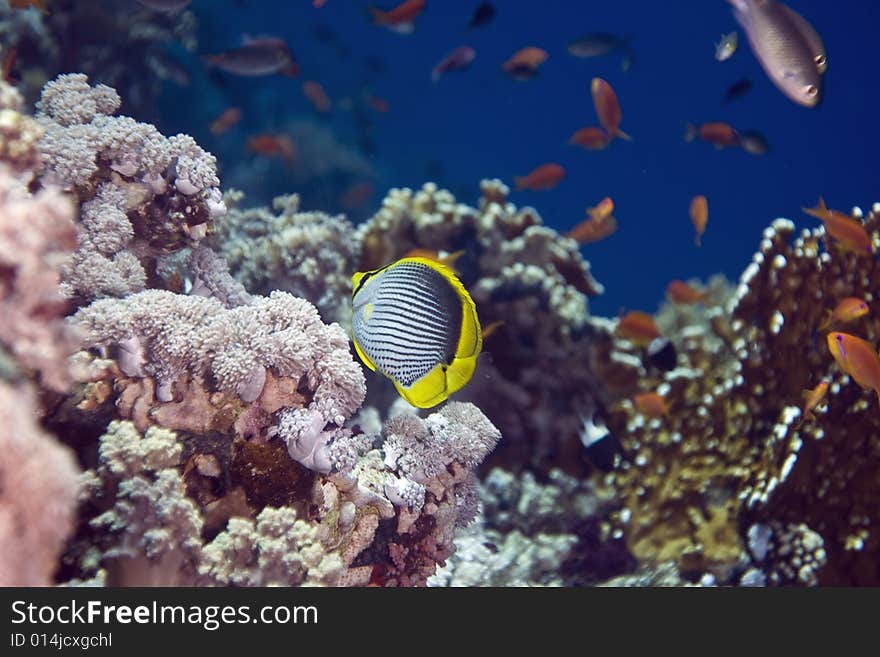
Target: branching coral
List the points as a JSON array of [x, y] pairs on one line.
[[734, 452], [309, 254], [141, 195]]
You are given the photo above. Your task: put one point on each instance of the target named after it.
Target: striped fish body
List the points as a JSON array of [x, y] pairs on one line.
[[414, 322]]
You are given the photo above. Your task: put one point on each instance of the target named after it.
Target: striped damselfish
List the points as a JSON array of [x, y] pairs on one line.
[[414, 322]]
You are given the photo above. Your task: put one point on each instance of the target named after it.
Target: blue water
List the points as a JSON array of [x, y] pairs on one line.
[[480, 123]]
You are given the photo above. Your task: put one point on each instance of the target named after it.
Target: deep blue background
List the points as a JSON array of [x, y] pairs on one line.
[[481, 123]]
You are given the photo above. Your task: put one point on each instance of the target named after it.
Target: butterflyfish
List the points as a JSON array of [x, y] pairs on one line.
[[414, 322]]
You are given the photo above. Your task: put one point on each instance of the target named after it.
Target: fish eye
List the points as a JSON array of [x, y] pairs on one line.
[[811, 90], [820, 60]]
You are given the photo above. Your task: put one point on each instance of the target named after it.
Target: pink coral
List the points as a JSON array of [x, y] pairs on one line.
[[37, 495], [36, 234]]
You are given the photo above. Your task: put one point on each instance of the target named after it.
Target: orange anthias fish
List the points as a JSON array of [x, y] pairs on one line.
[[680, 292], [447, 259], [401, 19], [602, 210], [8, 66], [317, 96], [849, 234], [591, 138], [546, 176], [651, 404], [812, 399], [599, 224], [524, 63], [607, 108], [848, 310], [637, 327], [699, 216], [273, 146], [457, 60], [721, 135], [225, 121], [857, 358]]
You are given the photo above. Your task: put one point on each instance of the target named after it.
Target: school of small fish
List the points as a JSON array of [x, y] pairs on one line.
[[431, 353]]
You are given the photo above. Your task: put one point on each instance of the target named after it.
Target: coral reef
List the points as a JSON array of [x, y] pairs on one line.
[[37, 495], [537, 534], [38, 476], [735, 452], [166, 508], [141, 195], [535, 283], [127, 49], [309, 254]]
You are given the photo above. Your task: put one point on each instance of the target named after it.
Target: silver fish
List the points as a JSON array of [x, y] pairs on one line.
[[725, 48], [264, 56], [596, 44], [787, 47]]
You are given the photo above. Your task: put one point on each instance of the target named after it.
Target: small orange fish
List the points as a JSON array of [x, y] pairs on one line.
[[857, 358], [524, 64], [849, 234], [317, 96], [720, 134], [225, 121], [603, 210], [593, 229], [680, 292], [273, 146], [848, 310], [448, 259], [24, 4], [607, 108], [591, 138], [546, 176], [401, 19], [651, 404], [812, 399], [699, 216], [8, 65], [637, 327], [457, 60], [317, 4]]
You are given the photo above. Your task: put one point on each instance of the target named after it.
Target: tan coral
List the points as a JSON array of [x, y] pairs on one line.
[[734, 451]]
